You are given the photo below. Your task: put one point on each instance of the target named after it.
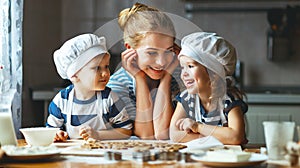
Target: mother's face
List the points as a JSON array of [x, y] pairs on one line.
[[155, 53]]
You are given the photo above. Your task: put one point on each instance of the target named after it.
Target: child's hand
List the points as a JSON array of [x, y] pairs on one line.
[[187, 124], [129, 63], [86, 132], [61, 136]]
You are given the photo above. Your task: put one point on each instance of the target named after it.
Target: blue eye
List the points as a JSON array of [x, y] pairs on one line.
[[169, 52], [152, 53]]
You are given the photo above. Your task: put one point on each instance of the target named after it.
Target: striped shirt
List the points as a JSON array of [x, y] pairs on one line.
[[113, 111], [214, 117], [123, 83]]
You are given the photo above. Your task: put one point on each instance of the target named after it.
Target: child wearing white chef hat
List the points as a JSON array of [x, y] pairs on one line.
[[210, 105], [87, 108]]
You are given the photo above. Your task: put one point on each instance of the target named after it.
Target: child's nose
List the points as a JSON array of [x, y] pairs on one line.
[[104, 73]]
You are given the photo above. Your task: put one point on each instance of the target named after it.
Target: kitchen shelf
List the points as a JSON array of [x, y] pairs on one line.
[[265, 98]]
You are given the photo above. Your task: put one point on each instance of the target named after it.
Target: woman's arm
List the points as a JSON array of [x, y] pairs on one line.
[[177, 135], [143, 124], [163, 108]]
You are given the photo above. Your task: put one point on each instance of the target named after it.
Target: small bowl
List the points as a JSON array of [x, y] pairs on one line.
[[39, 136]]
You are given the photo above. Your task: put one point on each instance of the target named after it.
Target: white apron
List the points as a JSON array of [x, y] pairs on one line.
[[199, 116], [95, 123]]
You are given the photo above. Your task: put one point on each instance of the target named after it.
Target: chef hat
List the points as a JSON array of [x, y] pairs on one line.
[[77, 52], [210, 50]]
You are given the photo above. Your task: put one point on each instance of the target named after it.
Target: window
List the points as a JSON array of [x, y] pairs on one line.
[[11, 18]]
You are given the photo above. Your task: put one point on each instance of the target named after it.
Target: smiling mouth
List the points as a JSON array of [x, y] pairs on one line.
[[157, 70], [102, 81], [188, 83]]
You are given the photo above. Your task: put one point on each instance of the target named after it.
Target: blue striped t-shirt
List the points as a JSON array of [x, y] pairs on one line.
[[113, 111], [214, 117]]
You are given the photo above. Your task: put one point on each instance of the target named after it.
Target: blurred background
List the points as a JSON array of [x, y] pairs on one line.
[[266, 34]]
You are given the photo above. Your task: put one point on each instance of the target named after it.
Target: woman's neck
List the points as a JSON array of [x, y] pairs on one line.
[[152, 83]]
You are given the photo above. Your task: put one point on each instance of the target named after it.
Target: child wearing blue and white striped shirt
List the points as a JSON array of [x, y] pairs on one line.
[[87, 108]]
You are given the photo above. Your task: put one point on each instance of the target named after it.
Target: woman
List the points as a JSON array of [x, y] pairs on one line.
[[147, 79]]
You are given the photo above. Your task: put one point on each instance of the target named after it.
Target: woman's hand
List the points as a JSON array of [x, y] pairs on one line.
[[175, 62], [61, 136], [87, 132], [172, 66], [187, 124], [129, 63]]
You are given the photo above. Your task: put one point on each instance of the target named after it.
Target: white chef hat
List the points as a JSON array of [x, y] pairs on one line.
[[77, 52], [210, 50]]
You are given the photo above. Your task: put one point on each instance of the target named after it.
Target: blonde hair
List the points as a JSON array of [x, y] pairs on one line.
[[141, 19]]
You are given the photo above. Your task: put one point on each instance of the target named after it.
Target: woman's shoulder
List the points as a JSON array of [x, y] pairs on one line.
[[120, 81], [120, 74]]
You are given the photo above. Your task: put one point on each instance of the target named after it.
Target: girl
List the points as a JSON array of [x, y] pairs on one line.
[[206, 107]]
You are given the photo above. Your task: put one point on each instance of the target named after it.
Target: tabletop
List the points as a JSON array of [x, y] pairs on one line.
[[92, 161]]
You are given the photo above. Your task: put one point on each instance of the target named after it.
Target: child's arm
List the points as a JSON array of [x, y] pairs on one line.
[[176, 134], [116, 133], [234, 134], [55, 119]]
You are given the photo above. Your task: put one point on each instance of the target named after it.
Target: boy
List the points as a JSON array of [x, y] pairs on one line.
[[87, 108]]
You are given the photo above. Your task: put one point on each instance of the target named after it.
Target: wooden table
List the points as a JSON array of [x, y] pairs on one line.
[[68, 163], [96, 162]]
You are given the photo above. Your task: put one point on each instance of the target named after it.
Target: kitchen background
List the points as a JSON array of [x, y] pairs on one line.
[[265, 69]]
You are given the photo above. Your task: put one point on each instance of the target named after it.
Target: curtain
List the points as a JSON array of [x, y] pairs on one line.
[[11, 19]]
